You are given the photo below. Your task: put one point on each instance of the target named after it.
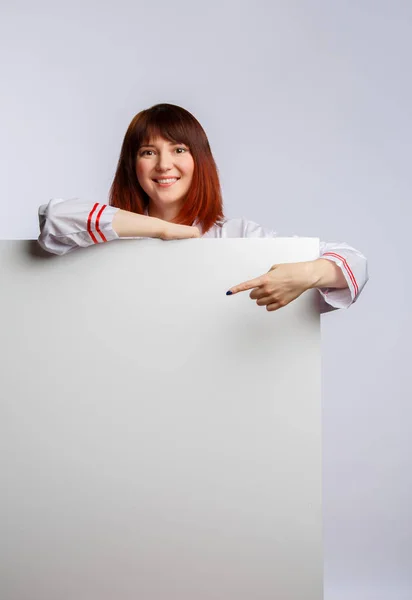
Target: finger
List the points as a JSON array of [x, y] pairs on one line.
[[273, 306], [263, 300], [258, 293], [246, 285]]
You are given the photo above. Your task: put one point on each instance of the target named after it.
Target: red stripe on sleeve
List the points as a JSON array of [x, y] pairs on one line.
[[347, 267], [97, 223], [89, 223]]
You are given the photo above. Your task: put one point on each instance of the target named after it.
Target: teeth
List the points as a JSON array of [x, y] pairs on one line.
[[166, 180]]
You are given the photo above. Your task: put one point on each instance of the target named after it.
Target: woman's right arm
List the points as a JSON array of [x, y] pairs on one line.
[[73, 223]]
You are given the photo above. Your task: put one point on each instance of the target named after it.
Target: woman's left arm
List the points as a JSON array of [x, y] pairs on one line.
[[339, 274]]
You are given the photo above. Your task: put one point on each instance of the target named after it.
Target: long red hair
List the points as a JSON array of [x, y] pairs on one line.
[[203, 201]]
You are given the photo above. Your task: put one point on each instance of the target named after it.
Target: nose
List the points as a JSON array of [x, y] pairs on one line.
[[164, 162]]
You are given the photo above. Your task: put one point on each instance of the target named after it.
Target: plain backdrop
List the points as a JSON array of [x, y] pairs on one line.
[[307, 106]]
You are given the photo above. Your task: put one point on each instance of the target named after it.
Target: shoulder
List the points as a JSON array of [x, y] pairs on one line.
[[239, 227]]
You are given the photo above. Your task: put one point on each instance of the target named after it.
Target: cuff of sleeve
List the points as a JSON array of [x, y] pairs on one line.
[[340, 298], [337, 298], [103, 224]]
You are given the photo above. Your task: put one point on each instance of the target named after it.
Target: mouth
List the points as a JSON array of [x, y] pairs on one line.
[[166, 182]]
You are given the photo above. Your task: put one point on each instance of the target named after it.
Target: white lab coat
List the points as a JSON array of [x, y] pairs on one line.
[[66, 224]]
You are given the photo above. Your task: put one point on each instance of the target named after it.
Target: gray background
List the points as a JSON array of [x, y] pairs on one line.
[[314, 95]]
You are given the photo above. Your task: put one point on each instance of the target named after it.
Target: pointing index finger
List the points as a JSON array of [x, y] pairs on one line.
[[246, 285]]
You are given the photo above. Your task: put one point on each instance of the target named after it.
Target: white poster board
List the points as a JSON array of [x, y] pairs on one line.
[[159, 439]]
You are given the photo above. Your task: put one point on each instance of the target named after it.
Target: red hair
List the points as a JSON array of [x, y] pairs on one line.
[[203, 201]]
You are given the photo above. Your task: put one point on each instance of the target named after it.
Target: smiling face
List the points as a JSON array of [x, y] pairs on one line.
[[165, 171]]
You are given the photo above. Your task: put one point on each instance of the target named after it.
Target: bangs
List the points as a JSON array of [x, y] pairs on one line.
[[168, 126]]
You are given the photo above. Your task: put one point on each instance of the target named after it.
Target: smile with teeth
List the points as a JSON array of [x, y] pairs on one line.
[[166, 182]]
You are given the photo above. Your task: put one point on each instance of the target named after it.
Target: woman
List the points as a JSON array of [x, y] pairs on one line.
[[167, 186]]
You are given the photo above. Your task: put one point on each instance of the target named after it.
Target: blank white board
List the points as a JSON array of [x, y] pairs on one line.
[[159, 439]]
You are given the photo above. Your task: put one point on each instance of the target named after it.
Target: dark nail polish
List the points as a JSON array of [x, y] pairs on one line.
[[229, 293]]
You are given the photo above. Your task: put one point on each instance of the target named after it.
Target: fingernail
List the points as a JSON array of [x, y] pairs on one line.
[[229, 293]]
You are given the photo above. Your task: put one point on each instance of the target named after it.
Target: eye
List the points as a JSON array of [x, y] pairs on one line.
[[143, 152], [183, 150]]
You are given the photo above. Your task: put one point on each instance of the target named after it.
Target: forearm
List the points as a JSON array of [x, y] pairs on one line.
[[129, 224], [326, 274]]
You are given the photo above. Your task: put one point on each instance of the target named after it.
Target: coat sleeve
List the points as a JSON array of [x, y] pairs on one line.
[[67, 224], [353, 264]]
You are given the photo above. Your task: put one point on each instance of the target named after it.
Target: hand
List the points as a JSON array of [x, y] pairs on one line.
[[173, 231], [280, 285]]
